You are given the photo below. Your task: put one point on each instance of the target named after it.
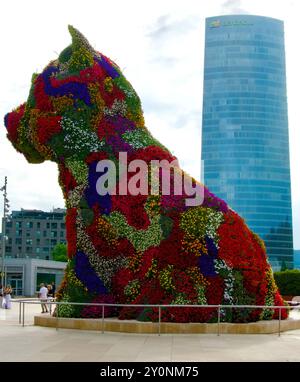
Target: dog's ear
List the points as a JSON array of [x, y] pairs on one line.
[[79, 54]]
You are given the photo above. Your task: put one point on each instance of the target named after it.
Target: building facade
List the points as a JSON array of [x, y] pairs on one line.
[[34, 233], [297, 258], [245, 139], [25, 275]]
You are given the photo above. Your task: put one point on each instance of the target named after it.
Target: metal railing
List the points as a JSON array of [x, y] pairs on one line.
[[51, 302]]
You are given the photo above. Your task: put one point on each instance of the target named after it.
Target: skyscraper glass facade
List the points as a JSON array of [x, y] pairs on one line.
[[245, 140]]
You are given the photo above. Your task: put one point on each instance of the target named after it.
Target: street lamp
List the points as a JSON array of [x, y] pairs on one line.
[[5, 212]]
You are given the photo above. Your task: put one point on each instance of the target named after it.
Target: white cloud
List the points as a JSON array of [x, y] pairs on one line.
[[233, 7]]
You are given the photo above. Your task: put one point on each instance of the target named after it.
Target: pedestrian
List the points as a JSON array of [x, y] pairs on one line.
[[50, 296], [7, 297], [53, 289], [49, 287], [1, 295], [43, 293]]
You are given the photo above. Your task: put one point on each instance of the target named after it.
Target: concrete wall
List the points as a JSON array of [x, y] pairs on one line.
[[30, 268]]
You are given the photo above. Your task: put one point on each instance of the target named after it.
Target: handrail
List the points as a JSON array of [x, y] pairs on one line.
[[51, 302]]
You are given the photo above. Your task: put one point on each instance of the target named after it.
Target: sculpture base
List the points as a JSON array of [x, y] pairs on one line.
[[132, 326]]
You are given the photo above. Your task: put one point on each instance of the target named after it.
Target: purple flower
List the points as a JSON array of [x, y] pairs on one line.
[[118, 145], [212, 201], [91, 195], [107, 66], [78, 90], [87, 275], [206, 262]]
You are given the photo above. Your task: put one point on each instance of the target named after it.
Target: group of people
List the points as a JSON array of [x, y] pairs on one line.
[[5, 294], [45, 293]]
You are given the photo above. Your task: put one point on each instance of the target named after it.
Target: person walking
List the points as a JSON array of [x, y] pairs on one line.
[[43, 293], [53, 289], [7, 297], [1, 296]]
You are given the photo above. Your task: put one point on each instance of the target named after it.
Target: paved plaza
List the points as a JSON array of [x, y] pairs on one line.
[[32, 343]]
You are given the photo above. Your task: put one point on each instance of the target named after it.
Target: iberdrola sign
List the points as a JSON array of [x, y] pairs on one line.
[[232, 23]]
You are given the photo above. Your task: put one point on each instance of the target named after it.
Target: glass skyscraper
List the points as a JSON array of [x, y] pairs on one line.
[[245, 139]]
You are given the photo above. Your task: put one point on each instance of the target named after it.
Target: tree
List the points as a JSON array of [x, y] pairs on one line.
[[288, 282], [59, 252], [283, 266]]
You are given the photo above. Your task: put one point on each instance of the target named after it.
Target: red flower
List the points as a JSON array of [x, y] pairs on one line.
[[119, 282], [150, 153], [71, 231], [66, 179], [88, 75], [95, 311], [278, 301], [95, 157], [240, 250], [47, 127], [12, 123], [42, 100], [132, 207]]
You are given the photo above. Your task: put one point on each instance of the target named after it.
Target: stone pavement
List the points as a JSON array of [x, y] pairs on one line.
[[31, 343]]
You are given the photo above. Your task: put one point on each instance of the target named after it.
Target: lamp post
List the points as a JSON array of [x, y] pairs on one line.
[[5, 211]]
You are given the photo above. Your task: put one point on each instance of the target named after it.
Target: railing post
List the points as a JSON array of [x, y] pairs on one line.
[[102, 319], [159, 319], [20, 312], [279, 321], [219, 319], [23, 318], [57, 315]]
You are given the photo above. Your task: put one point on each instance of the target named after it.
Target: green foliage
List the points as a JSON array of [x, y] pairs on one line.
[[283, 266], [288, 282], [140, 239], [59, 252], [166, 224]]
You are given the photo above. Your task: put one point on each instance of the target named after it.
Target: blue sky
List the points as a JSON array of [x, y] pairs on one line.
[[159, 45]]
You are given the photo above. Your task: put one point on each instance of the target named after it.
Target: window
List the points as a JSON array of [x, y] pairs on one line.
[[18, 225], [38, 233], [38, 250], [38, 225], [62, 233], [44, 233], [38, 241], [53, 225], [53, 233], [18, 240], [53, 242], [19, 232], [29, 225], [46, 249], [48, 225], [62, 225]]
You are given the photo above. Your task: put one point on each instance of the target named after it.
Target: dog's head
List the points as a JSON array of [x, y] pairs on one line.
[[78, 101]]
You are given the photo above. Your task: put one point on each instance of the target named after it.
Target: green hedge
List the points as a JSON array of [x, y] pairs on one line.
[[288, 282]]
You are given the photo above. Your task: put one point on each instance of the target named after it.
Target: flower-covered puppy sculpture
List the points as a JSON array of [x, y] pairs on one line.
[[126, 246]]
